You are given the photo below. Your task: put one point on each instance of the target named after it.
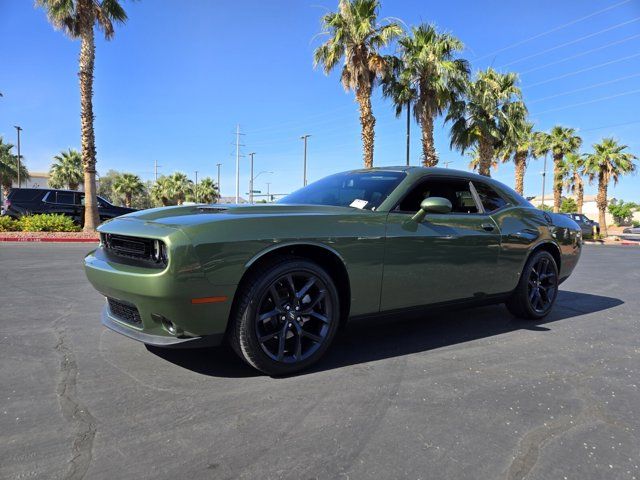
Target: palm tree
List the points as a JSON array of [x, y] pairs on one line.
[[520, 148], [491, 110], [607, 162], [77, 18], [161, 191], [474, 164], [206, 191], [9, 168], [356, 37], [572, 172], [180, 186], [66, 170], [128, 184], [436, 76], [559, 142]]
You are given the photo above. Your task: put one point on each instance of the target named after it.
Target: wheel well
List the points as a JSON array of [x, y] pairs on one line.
[[324, 258], [552, 249]]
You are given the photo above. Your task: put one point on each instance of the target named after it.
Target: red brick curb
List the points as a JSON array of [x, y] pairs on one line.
[[49, 239]]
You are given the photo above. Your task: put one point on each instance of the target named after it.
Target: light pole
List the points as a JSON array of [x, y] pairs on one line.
[[268, 195], [304, 165], [253, 181], [18, 129], [446, 164], [408, 129], [197, 196], [544, 174], [219, 165], [251, 178]]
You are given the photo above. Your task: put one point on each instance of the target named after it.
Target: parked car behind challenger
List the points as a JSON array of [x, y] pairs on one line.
[[30, 201], [276, 280], [589, 227]]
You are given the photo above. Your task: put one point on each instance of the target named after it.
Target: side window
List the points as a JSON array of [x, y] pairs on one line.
[[64, 197], [456, 190], [490, 199]]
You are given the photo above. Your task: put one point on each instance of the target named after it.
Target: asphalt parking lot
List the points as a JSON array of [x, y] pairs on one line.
[[468, 394]]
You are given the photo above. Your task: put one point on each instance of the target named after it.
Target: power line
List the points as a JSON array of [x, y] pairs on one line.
[[588, 87], [533, 55], [608, 97], [555, 29], [575, 72], [581, 54], [609, 126]]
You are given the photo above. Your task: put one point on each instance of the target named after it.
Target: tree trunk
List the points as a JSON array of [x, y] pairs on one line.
[[601, 201], [486, 156], [127, 199], [579, 192], [368, 122], [521, 166], [429, 156], [6, 189], [87, 59], [557, 182]]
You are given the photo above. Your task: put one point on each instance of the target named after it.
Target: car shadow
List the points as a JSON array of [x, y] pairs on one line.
[[378, 338]]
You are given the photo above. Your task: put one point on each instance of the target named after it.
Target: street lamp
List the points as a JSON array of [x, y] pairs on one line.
[[219, 165], [18, 129], [253, 181], [304, 167]]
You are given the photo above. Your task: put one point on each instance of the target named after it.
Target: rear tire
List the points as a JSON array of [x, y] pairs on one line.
[[285, 317], [537, 289]]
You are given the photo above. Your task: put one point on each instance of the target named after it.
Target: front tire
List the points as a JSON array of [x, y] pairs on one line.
[[286, 316], [537, 289]]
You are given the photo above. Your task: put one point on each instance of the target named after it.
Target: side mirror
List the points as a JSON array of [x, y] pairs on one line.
[[432, 205]]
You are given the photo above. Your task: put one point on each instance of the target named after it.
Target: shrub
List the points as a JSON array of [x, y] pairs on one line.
[[47, 223], [636, 223], [8, 224], [622, 211], [568, 205], [546, 208]]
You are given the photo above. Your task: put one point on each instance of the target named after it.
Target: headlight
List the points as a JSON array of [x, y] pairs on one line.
[[159, 253]]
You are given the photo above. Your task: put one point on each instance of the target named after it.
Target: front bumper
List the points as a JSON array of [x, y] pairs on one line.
[[111, 322], [162, 294]]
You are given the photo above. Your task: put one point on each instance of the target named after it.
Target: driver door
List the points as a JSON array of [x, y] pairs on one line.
[[444, 257]]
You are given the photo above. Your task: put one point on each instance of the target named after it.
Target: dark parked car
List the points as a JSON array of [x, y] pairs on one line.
[[29, 201], [588, 226]]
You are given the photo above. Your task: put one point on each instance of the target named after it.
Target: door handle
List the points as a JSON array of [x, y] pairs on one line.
[[488, 227]]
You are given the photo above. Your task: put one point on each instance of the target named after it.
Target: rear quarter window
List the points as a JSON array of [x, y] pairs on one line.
[[25, 195], [491, 199]]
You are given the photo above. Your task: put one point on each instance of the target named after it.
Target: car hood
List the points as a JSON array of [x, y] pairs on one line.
[[183, 216]]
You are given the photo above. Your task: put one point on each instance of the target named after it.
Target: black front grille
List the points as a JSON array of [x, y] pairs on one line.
[[146, 250], [125, 312]]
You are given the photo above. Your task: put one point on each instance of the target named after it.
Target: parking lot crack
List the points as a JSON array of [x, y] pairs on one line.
[[72, 410]]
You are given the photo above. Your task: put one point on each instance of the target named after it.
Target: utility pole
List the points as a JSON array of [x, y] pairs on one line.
[[544, 175], [408, 129], [155, 169], [251, 178], [238, 145], [197, 196], [218, 165], [304, 165], [18, 129]]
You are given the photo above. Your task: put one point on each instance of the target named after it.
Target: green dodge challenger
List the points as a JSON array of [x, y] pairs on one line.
[[276, 280]]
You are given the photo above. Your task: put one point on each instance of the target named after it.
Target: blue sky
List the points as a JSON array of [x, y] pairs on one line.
[[174, 82]]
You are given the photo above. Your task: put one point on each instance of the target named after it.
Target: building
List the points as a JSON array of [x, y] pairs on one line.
[[231, 200], [589, 207]]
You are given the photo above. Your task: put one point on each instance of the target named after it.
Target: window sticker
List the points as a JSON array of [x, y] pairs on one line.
[[357, 203]]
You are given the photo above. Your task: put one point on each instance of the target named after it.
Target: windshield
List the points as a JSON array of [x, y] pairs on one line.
[[364, 190]]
